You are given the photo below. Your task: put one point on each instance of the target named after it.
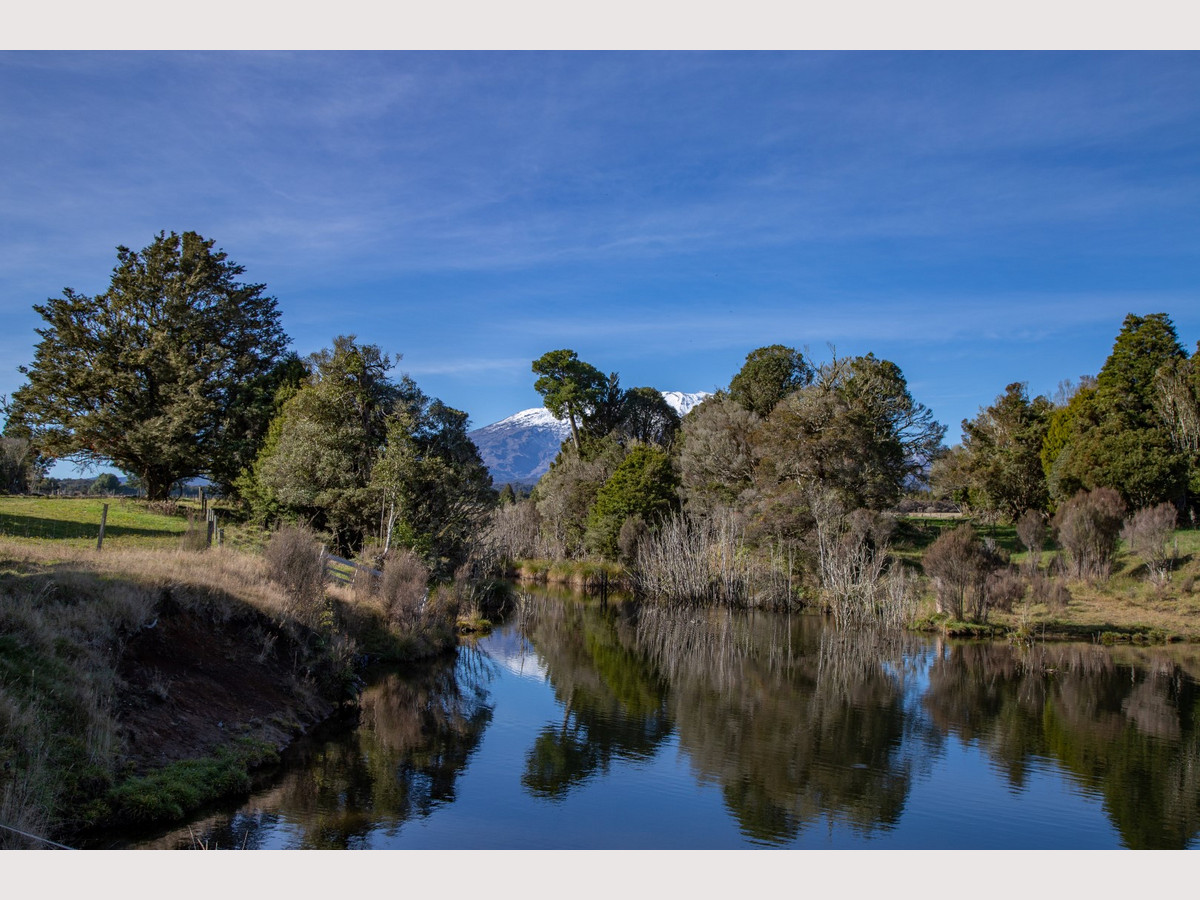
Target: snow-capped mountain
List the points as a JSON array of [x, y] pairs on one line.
[[519, 449], [684, 403]]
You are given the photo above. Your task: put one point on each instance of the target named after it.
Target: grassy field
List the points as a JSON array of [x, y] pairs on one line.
[[1126, 606], [75, 522], [132, 524]]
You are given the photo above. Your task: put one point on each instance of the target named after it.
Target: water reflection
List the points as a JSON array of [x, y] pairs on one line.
[[765, 729], [800, 724], [413, 740], [796, 723], [613, 700], [1126, 731]]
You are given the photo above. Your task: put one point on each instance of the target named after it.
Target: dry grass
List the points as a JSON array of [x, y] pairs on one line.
[[295, 560], [1129, 603], [690, 560], [66, 615]]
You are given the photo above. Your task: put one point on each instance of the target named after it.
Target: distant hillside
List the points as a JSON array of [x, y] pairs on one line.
[[519, 449]]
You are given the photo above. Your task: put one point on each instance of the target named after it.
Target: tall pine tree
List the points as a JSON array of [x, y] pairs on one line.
[[167, 374]]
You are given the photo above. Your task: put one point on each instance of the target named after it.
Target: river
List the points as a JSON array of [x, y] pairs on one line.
[[580, 724]]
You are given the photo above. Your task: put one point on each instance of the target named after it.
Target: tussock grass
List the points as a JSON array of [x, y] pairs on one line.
[[66, 615], [581, 574]]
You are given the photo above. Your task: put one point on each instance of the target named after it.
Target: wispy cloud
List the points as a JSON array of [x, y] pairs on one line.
[[685, 207]]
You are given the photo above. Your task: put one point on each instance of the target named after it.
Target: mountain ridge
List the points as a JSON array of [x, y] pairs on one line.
[[519, 449]]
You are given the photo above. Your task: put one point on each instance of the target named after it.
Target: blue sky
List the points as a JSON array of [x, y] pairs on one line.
[[979, 218]]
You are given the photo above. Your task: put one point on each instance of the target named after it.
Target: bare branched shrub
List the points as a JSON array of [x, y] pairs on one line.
[[1050, 591], [295, 561], [1004, 588], [403, 588], [694, 559], [1088, 526], [1147, 532], [513, 531], [959, 566], [852, 557], [1031, 532]]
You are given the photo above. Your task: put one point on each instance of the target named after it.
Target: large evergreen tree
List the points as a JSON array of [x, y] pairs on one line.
[[647, 417], [163, 375], [1113, 434], [768, 375], [316, 464], [855, 431], [1003, 448], [431, 484], [571, 388], [352, 448], [644, 486]]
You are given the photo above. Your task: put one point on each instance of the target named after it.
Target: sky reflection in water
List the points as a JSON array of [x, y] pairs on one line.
[[589, 726]]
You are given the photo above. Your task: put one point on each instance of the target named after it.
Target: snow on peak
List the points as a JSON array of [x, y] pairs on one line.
[[684, 403], [538, 417]]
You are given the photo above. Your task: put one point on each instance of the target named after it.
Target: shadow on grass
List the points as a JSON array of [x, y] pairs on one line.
[[914, 535], [57, 529]]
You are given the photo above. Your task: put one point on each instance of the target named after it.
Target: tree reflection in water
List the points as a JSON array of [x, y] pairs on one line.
[[795, 723], [798, 723], [414, 738], [1123, 727], [800, 727], [614, 702]]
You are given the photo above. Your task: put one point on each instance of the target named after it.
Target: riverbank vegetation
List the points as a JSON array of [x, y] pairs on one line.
[[792, 487], [795, 486], [139, 683]]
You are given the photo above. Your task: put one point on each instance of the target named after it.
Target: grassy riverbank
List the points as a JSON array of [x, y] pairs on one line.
[[142, 681], [1127, 607], [580, 574]]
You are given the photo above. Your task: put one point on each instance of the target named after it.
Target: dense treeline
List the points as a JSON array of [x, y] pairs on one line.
[[779, 487], [179, 370], [722, 506], [1134, 428], [775, 489]]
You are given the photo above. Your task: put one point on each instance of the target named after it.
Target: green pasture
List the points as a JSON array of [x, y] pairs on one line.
[[76, 522]]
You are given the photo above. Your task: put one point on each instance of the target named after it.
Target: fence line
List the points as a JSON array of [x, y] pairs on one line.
[[34, 837], [338, 575]]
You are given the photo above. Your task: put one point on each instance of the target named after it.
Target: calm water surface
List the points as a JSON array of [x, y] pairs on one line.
[[581, 725]]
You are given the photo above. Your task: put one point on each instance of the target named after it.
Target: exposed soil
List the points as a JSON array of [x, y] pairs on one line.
[[191, 684]]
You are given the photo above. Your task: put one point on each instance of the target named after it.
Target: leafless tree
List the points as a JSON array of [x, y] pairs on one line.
[[857, 582], [1088, 526], [1031, 531], [1147, 532]]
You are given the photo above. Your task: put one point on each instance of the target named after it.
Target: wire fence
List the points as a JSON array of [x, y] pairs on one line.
[[34, 837]]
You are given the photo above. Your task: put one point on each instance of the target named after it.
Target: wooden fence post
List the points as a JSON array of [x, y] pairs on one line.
[[103, 520]]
